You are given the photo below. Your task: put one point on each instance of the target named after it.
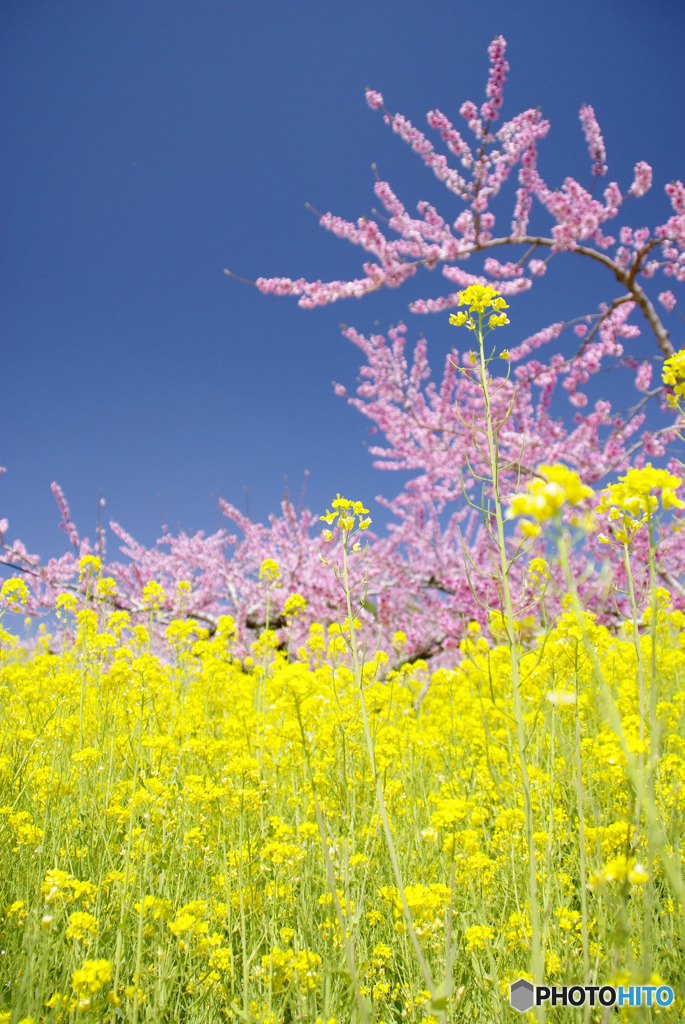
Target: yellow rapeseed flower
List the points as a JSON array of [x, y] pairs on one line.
[[154, 595], [87, 754], [81, 925], [14, 592], [673, 375], [346, 514], [479, 297], [106, 587], [89, 563], [294, 605], [66, 602], [633, 492], [269, 570], [477, 936], [546, 495], [92, 976], [183, 923]]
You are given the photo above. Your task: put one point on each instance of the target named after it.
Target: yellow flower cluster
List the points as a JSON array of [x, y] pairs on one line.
[[294, 606], [284, 966], [346, 513], [164, 819], [89, 564], [553, 487], [630, 502], [92, 976], [14, 593], [633, 492], [674, 376], [479, 298], [477, 935], [426, 903], [269, 571], [153, 595], [81, 925]]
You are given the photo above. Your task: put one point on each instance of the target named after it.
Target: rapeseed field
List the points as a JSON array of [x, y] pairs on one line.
[[188, 836]]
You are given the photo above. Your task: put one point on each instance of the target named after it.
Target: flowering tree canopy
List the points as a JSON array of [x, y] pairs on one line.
[[432, 574]]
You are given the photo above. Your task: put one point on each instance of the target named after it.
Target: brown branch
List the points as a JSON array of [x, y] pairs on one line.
[[621, 275], [640, 256], [631, 413], [595, 327], [663, 340], [244, 280]]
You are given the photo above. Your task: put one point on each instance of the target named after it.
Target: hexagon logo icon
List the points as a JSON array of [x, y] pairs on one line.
[[521, 995]]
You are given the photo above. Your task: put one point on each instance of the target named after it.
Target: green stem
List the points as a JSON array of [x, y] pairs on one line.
[[515, 674], [654, 757], [640, 668], [646, 958], [357, 669], [345, 933], [581, 835], [139, 942]]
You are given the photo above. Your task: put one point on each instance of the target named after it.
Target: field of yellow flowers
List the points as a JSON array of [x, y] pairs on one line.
[[197, 838]]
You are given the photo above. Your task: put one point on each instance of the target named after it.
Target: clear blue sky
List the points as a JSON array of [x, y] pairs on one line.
[[148, 144]]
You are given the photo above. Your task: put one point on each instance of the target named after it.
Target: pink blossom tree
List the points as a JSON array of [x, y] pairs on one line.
[[431, 575]]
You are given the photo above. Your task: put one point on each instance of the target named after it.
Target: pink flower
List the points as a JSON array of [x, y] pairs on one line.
[[667, 300], [535, 341], [496, 80], [374, 99], [469, 110], [451, 136], [643, 378], [676, 193], [643, 179], [595, 142], [496, 269]]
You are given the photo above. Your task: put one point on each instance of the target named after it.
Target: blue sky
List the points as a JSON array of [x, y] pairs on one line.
[[146, 145]]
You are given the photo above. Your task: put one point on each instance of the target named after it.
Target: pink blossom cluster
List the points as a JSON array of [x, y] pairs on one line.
[[578, 217], [542, 337], [643, 378], [643, 179], [612, 326], [672, 233], [374, 99], [595, 141], [667, 300], [494, 90]]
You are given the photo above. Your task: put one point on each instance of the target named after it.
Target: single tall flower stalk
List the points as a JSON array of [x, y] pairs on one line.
[[480, 298], [346, 513]]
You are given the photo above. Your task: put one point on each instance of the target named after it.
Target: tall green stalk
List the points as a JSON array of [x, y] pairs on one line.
[[654, 755], [439, 995], [491, 433], [581, 834]]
